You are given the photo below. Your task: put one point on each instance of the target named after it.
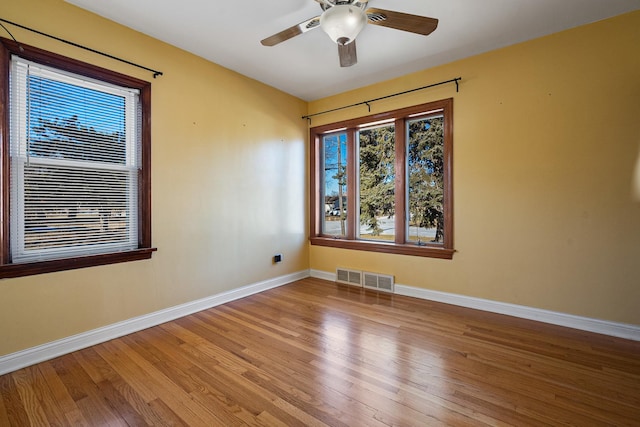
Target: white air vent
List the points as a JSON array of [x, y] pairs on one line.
[[350, 277], [378, 282]]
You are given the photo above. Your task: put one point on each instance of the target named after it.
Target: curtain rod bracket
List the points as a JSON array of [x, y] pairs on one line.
[[156, 73], [11, 35]]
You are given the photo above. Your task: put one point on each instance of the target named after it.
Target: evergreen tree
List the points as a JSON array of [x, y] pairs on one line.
[[377, 176], [426, 174], [425, 168]]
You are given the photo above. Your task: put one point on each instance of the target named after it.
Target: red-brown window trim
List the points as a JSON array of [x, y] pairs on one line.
[[444, 251], [144, 251]]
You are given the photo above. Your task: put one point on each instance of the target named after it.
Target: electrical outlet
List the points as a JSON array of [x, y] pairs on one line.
[[277, 258]]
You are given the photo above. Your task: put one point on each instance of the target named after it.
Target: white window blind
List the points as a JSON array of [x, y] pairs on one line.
[[75, 156]]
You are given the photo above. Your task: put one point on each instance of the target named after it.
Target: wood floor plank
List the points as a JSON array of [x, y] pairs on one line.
[[4, 416], [166, 415], [119, 404], [29, 397], [132, 365], [103, 375], [316, 353], [52, 410], [238, 368], [59, 394], [177, 367], [94, 365], [86, 393], [13, 409]]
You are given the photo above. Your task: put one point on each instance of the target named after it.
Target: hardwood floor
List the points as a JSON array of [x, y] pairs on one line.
[[314, 353]]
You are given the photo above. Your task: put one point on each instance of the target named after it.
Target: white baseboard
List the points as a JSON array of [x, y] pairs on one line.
[[620, 330], [31, 356], [319, 274]]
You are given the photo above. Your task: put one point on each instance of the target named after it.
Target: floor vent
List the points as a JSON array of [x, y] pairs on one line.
[[350, 277], [378, 282]]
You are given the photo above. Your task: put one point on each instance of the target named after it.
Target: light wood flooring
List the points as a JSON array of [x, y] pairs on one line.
[[314, 353]]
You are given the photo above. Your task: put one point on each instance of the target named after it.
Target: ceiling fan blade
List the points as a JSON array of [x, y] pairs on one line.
[[347, 53], [291, 32], [402, 21]]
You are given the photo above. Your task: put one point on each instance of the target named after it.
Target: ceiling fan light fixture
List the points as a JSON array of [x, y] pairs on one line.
[[343, 23]]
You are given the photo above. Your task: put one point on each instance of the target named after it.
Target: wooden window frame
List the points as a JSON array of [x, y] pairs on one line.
[[144, 250], [399, 246]]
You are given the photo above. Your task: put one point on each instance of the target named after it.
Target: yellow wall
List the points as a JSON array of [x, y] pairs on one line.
[[546, 174], [229, 168]]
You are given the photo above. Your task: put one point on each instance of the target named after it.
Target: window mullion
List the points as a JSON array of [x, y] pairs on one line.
[[400, 182], [316, 197], [353, 220], [448, 174]]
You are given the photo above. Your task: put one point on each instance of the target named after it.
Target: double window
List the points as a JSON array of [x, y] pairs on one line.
[[75, 167], [384, 183]]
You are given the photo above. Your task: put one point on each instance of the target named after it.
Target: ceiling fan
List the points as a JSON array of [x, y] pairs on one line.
[[343, 20]]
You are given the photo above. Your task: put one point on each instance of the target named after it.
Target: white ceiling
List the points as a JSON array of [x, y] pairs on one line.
[[229, 33]]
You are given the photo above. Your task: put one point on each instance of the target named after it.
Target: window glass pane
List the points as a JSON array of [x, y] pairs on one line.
[[67, 121], [425, 169], [334, 219], [377, 182]]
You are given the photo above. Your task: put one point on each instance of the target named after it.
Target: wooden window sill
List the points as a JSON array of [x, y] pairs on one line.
[[429, 251], [50, 266]]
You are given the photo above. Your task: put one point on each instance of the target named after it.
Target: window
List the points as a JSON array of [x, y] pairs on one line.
[[335, 184], [75, 164], [383, 183]]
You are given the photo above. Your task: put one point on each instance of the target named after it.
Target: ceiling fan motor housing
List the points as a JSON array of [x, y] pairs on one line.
[[327, 4]]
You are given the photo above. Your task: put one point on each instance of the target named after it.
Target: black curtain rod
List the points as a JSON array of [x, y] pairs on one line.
[[456, 80], [156, 73]]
